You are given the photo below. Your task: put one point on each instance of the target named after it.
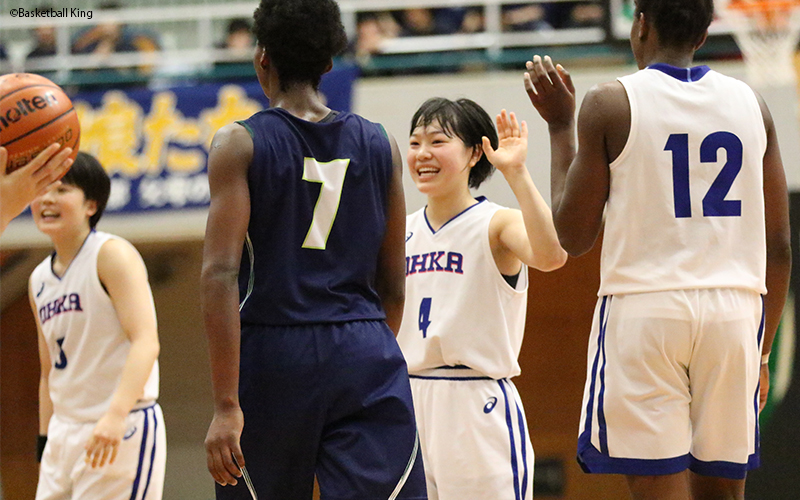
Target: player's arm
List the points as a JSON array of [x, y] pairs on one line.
[[779, 254], [45, 403], [21, 186], [124, 276], [228, 219], [579, 180], [528, 234], [391, 274]]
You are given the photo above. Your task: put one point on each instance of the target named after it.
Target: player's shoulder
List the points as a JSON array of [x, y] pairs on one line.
[[606, 92], [115, 251]]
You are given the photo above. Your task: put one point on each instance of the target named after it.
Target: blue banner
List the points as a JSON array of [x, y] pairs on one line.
[[154, 143]]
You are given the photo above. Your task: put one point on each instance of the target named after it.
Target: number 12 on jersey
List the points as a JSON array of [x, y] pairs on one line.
[[714, 202]]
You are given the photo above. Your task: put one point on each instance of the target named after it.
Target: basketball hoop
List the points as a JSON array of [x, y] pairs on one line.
[[767, 32]]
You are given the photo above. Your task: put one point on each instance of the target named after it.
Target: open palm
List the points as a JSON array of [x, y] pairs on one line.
[[512, 147]]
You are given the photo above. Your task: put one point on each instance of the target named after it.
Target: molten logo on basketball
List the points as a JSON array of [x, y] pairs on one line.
[[26, 106]]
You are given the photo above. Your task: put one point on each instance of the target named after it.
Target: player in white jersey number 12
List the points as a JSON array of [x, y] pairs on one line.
[[695, 260]]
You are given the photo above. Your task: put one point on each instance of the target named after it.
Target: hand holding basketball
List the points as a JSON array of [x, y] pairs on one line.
[[34, 113], [19, 188]]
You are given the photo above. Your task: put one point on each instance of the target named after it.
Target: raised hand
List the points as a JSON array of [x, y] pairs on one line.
[[512, 146], [551, 91]]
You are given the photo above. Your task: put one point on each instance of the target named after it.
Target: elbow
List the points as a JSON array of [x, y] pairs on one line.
[[218, 272], [148, 346], [555, 260], [394, 296]]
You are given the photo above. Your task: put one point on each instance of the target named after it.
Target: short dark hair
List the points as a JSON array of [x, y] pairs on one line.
[[678, 22], [89, 176], [238, 24], [301, 37], [466, 120]]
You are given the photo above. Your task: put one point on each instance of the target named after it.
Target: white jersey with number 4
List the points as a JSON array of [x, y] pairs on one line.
[[686, 202], [87, 345], [459, 309]]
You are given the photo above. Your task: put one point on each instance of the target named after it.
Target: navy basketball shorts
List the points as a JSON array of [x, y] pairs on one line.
[[673, 384], [331, 401]]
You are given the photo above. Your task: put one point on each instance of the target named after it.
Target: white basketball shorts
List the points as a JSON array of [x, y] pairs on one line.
[[136, 474], [475, 441], [672, 383]]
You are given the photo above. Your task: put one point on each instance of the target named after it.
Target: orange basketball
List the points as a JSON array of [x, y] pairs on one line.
[[34, 113]]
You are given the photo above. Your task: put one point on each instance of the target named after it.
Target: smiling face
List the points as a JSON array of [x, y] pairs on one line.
[[62, 209], [439, 163]]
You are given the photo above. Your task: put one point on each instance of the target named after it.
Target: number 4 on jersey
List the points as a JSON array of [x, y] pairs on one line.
[[424, 315], [331, 176]]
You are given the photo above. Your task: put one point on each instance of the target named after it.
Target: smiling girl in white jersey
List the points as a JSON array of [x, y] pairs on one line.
[[101, 430], [466, 298]]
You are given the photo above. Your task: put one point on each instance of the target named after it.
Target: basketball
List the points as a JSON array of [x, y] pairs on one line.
[[34, 113]]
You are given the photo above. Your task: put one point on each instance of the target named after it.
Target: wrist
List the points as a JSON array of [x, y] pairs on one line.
[[765, 358], [561, 126], [226, 404]]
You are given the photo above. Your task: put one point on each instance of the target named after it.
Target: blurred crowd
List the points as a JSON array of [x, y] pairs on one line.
[[375, 28], [374, 31]]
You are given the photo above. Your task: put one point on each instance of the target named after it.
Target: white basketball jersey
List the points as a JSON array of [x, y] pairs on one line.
[[686, 202], [459, 309], [87, 345]]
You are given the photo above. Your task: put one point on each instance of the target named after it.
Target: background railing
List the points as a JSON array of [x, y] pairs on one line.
[[189, 35]]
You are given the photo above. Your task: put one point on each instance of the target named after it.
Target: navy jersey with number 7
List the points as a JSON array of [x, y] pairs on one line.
[[318, 197]]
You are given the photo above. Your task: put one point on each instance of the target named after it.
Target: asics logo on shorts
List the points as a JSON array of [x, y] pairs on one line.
[[130, 432], [489, 406]]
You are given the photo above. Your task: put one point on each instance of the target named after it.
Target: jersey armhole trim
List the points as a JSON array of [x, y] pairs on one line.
[[632, 133], [385, 133], [246, 127]]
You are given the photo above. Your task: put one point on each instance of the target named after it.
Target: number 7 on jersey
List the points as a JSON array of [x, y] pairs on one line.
[[331, 176]]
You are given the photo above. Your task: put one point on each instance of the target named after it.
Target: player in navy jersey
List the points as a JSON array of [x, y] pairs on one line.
[[303, 284], [684, 161]]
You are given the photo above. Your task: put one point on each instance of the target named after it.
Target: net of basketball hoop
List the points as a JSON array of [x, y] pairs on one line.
[[767, 33]]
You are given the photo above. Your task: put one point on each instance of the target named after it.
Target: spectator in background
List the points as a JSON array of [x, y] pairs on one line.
[[239, 38], [525, 17], [575, 14], [239, 43], [417, 22], [444, 21], [373, 29], [113, 36], [473, 21], [44, 38]]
